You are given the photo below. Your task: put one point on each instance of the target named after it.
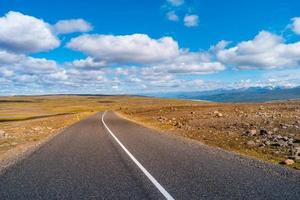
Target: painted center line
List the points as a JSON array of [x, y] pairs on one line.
[[143, 169]]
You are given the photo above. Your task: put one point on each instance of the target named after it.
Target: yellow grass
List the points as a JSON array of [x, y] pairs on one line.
[[29, 120]]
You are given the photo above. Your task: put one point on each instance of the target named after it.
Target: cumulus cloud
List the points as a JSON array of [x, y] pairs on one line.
[[125, 49], [25, 34], [26, 64], [296, 25], [176, 2], [26, 78], [192, 63], [88, 63], [6, 72], [59, 75], [71, 26], [162, 54], [265, 51], [172, 16], [191, 20]]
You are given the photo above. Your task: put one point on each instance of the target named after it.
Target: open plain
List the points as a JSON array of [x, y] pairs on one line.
[[265, 131]]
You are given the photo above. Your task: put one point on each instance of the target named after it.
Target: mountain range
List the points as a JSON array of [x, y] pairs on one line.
[[252, 94]]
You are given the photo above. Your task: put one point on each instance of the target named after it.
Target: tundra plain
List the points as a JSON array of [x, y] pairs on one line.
[[265, 131]]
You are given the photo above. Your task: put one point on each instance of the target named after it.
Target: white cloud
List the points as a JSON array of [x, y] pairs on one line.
[[59, 75], [191, 20], [25, 78], [6, 72], [88, 63], [24, 34], [176, 2], [172, 16], [296, 25], [26, 64], [162, 54], [265, 51], [71, 26], [192, 63], [125, 49]]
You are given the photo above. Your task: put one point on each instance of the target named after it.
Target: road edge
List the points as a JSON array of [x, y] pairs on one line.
[[25, 153], [278, 170]]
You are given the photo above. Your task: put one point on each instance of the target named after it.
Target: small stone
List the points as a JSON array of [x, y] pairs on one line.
[[251, 132], [282, 143], [283, 126], [218, 114], [268, 143], [296, 153], [285, 138], [264, 132], [262, 145], [178, 125], [258, 141], [279, 137], [251, 143], [36, 128], [288, 162], [2, 134], [290, 142]]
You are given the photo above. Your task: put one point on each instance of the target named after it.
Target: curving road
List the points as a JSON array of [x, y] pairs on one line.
[[87, 162]]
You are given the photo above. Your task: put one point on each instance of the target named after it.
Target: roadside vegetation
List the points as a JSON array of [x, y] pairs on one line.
[[267, 131]]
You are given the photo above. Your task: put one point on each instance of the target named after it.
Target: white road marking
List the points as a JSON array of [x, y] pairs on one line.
[[143, 169]]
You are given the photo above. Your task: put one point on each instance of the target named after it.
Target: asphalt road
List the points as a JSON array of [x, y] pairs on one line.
[[86, 162]]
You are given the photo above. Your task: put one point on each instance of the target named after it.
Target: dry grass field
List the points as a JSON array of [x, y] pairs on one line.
[[267, 131]]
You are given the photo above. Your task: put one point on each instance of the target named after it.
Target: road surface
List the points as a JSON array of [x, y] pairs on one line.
[[86, 162]]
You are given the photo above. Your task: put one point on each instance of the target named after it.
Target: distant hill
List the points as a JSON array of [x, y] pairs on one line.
[[252, 94]]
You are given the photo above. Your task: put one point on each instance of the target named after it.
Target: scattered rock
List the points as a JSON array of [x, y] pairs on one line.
[[296, 153], [36, 128], [251, 132], [290, 142], [251, 143], [2, 134], [162, 119], [284, 127], [178, 125], [281, 143], [285, 138], [264, 132], [218, 114], [268, 143], [288, 162]]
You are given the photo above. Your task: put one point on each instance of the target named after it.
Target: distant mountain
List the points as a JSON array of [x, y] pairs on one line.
[[252, 94]]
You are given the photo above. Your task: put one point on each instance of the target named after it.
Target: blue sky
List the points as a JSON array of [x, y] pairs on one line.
[[147, 46]]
